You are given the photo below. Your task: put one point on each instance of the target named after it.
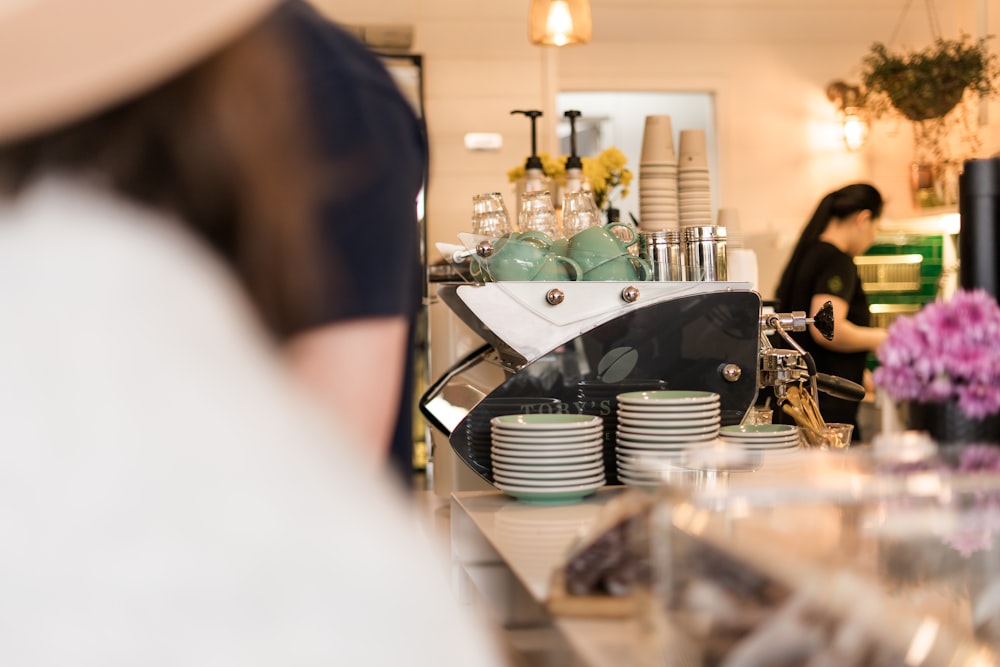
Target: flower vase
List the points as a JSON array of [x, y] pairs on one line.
[[946, 423]]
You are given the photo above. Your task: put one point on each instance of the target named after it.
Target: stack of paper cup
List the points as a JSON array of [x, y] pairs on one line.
[[658, 176], [694, 192]]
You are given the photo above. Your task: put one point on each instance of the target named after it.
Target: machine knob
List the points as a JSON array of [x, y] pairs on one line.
[[555, 296], [630, 294], [484, 248], [731, 372]]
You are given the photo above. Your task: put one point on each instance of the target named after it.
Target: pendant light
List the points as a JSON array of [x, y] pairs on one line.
[[847, 99], [559, 22]]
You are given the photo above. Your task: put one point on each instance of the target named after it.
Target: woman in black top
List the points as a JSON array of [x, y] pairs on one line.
[[822, 269]]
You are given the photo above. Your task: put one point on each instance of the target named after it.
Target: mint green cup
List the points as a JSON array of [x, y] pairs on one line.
[[558, 268], [478, 271], [596, 245], [624, 268], [516, 256], [560, 247]]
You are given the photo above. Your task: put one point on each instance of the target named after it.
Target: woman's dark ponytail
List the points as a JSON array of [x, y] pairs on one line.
[[839, 204]]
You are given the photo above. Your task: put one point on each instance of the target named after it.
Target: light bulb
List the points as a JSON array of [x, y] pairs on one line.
[[855, 129], [559, 23]]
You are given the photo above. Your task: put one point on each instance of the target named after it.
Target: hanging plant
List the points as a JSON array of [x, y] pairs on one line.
[[928, 84], [934, 88]]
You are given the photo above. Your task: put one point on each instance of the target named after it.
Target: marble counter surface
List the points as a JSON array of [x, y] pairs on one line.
[[509, 550]]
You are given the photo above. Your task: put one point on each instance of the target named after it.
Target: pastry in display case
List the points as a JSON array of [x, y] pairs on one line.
[[867, 557], [846, 558]]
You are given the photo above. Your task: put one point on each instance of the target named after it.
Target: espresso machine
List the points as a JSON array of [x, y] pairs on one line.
[[572, 347]]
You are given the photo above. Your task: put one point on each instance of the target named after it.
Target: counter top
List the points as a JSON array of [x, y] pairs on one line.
[[531, 541], [884, 554]]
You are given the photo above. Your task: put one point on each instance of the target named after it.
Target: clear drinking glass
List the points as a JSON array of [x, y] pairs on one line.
[[489, 215], [831, 436], [759, 415], [537, 214], [579, 211], [838, 436]]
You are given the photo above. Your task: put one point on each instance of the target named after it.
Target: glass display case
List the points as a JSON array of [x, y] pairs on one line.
[[868, 557]]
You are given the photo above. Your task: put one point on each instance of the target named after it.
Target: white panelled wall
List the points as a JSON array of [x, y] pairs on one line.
[[768, 63]]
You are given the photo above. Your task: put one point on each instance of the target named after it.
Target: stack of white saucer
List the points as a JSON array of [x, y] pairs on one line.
[[694, 190], [762, 437], [658, 176], [547, 458], [655, 428]]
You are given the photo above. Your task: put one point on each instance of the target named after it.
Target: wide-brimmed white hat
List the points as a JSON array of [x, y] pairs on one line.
[[61, 60]]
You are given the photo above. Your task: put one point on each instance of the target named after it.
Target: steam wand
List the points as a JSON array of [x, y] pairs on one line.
[[781, 367]]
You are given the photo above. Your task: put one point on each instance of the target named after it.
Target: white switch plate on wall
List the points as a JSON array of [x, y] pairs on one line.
[[483, 141]]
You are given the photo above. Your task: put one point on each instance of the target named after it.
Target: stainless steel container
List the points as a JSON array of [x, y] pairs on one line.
[[705, 252], [663, 250]]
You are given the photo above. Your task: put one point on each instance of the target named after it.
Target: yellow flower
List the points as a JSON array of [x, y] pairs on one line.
[[553, 167], [597, 175], [613, 159], [605, 173]]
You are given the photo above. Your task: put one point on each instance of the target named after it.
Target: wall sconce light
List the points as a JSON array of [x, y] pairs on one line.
[[847, 98], [559, 22]]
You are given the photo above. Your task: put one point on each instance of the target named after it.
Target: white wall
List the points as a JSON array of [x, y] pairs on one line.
[[767, 62]]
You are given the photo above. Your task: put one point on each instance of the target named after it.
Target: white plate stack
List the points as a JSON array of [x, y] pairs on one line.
[[658, 176], [547, 458], [655, 428], [694, 190], [762, 437]]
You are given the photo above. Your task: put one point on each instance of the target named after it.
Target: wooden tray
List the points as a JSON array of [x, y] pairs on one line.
[[562, 603]]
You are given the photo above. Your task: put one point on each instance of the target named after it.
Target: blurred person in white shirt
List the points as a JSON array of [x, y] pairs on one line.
[[167, 494]]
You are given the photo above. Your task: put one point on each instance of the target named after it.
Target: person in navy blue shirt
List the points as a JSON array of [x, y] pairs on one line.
[[358, 354]]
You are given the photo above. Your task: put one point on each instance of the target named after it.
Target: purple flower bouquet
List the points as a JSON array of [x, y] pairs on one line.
[[949, 350]]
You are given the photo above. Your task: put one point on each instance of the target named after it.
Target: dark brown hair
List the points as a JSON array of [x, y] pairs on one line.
[[224, 148], [839, 204]]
